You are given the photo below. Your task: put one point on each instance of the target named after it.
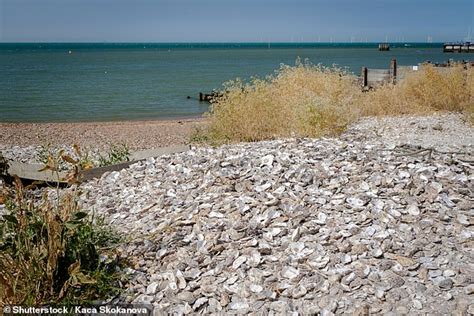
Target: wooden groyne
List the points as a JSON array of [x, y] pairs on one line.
[[209, 97], [374, 77], [463, 47]]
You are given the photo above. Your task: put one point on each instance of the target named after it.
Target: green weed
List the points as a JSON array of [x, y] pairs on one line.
[[117, 154]]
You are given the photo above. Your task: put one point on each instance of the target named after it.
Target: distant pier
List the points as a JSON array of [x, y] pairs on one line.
[[462, 47], [384, 47]]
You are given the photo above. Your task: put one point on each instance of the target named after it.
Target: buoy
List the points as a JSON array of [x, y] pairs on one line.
[[70, 52]]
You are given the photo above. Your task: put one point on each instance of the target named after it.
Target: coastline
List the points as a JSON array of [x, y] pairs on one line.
[[142, 134]]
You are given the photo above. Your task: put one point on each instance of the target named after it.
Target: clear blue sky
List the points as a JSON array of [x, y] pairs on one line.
[[234, 20]]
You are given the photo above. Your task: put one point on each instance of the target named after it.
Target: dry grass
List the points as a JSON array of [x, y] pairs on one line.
[[309, 100], [426, 91]]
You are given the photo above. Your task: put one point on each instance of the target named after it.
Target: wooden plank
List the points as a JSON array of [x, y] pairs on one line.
[[378, 76], [31, 171], [378, 71], [393, 71], [365, 81]]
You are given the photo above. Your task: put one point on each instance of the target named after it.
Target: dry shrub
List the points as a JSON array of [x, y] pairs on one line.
[[308, 100], [304, 100], [469, 109], [426, 91]]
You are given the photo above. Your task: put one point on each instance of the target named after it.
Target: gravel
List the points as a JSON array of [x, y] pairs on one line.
[[23, 139]]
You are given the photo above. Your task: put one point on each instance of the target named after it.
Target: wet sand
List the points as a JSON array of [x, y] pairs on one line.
[[136, 134]]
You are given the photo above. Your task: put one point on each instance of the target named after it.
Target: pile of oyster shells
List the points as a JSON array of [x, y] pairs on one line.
[[297, 226]]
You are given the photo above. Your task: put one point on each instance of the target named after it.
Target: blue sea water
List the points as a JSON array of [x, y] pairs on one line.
[[56, 82]]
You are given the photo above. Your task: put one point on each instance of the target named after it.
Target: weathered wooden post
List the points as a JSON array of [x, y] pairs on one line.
[[201, 96], [365, 81], [393, 70]]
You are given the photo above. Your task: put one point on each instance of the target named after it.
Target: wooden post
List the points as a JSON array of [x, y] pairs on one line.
[[365, 82], [393, 70], [201, 97]]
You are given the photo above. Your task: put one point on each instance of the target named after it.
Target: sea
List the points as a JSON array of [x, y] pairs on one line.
[[73, 82]]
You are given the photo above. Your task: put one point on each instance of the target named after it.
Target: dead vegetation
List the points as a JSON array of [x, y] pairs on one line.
[[311, 100]]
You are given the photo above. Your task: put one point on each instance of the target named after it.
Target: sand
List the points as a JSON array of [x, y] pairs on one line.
[[136, 134]]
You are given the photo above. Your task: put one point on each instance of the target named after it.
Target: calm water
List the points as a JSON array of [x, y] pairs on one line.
[[44, 82]]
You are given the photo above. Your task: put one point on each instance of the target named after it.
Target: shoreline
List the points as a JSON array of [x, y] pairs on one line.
[[172, 119], [164, 119], [140, 134]]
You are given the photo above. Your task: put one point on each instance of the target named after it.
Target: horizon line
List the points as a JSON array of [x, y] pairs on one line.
[[219, 42]]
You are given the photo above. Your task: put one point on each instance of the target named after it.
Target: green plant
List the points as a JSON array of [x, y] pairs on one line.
[[3, 164], [199, 136], [43, 153], [117, 154], [51, 252], [3, 172]]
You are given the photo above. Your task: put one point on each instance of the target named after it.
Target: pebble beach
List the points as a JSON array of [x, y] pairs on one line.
[[376, 221], [22, 141]]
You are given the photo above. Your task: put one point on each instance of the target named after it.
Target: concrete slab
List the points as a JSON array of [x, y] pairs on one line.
[[32, 171]]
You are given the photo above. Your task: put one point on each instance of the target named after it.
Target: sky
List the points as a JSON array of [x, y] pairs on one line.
[[235, 20]]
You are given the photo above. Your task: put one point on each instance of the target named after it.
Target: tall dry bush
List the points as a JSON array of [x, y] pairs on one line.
[[304, 100], [308, 100], [428, 90]]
